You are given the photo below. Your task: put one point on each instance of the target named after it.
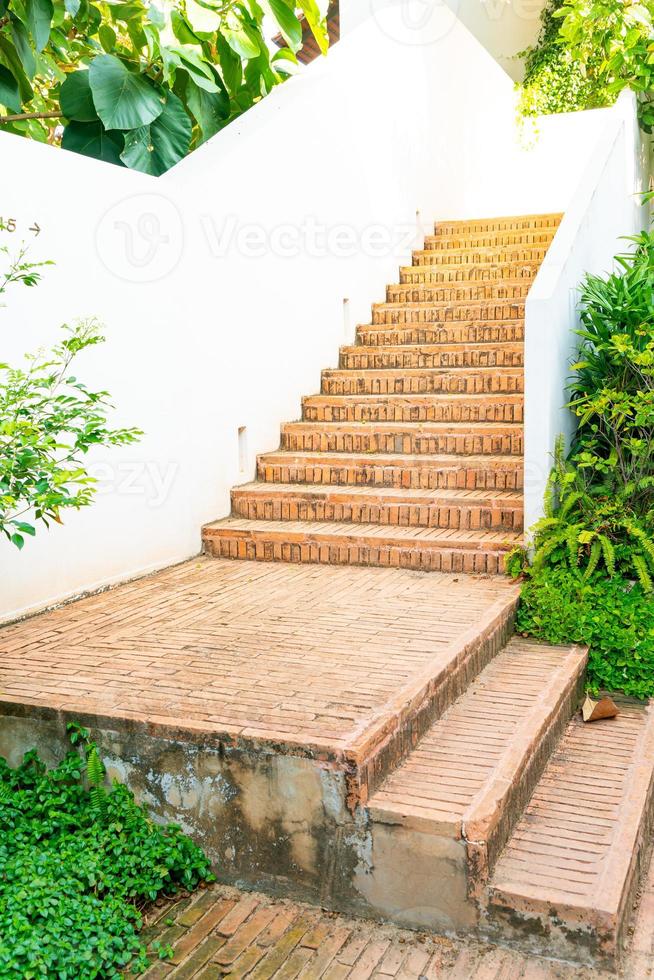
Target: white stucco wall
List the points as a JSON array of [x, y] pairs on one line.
[[504, 27], [223, 283]]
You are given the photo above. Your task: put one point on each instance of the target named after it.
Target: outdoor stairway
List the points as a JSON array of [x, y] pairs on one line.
[[512, 818], [412, 453]]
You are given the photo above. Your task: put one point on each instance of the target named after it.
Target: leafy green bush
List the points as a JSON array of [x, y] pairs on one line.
[[613, 383], [141, 84], [48, 421], [597, 535], [77, 863], [613, 616]]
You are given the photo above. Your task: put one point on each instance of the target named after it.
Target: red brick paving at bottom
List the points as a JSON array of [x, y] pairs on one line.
[[221, 932]]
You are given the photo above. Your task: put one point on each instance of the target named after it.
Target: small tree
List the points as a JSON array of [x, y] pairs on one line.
[[48, 422]]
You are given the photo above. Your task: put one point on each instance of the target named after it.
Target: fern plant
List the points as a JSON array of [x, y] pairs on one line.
[[587, 529]]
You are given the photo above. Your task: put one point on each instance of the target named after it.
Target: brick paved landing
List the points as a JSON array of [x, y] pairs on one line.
[[304, 654], [221, 932]]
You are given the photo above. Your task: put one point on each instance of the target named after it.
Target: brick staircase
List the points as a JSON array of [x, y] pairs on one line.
[[411, 455]]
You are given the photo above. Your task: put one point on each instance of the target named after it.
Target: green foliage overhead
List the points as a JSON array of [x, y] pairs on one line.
[[613, 616], [140, 84], [77, 864], [48, 421]]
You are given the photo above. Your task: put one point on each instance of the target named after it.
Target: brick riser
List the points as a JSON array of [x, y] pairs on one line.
[[264, 546], [371, 509], [413, 408], [411, 455]]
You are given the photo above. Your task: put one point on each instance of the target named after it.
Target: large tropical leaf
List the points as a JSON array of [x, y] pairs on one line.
[[156, 148], [122, 99], [76, 99], [316, 22], [92, 139]]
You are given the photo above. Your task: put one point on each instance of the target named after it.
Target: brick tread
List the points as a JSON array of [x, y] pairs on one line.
[[574, 849], [460, 334], [551, 219], [297, 531], [463, 777], [422, 380]]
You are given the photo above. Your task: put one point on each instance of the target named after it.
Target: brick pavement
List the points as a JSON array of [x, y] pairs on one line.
[[220, 932], [297, 653]]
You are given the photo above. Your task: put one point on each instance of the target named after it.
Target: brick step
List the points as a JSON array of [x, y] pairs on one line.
[[413, 438], [455, 800], [488, 332], [490, 239], [487, 309], [423, 549], [504, 222], [407, 381], [369, 357], [454, 509], [482, 256], [569, 874], [457, 292], [413, 408], [425, 471], [444, 272]]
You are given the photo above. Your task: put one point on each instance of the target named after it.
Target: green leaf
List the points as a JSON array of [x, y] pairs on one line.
[[23, 48], [92, 140], [9, 93], [11, 60], [210, 110], [75, 98], [107, 37], [289, 25], [72, 7], [122, 99], [18, 540], [25, 528], [39, 15], [230, 65], [156, 148], [316, 22], [240, 42], [182, 29]]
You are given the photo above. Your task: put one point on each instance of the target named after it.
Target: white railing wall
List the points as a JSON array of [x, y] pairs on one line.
[[227, 284], [605, 208]]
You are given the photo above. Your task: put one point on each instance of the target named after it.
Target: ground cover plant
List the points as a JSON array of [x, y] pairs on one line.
[[78, 863], [592, 575], [140, 84]]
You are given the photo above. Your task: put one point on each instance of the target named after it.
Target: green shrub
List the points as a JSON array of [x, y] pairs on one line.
[[77, 864], [555, 81], [591, 580], [613, 616]]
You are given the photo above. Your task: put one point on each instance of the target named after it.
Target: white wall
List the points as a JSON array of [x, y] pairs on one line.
[[605, 208], [503, 27], [222, 283]]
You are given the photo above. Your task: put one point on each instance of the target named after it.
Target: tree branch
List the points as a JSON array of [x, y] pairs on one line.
[[22, 116]]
